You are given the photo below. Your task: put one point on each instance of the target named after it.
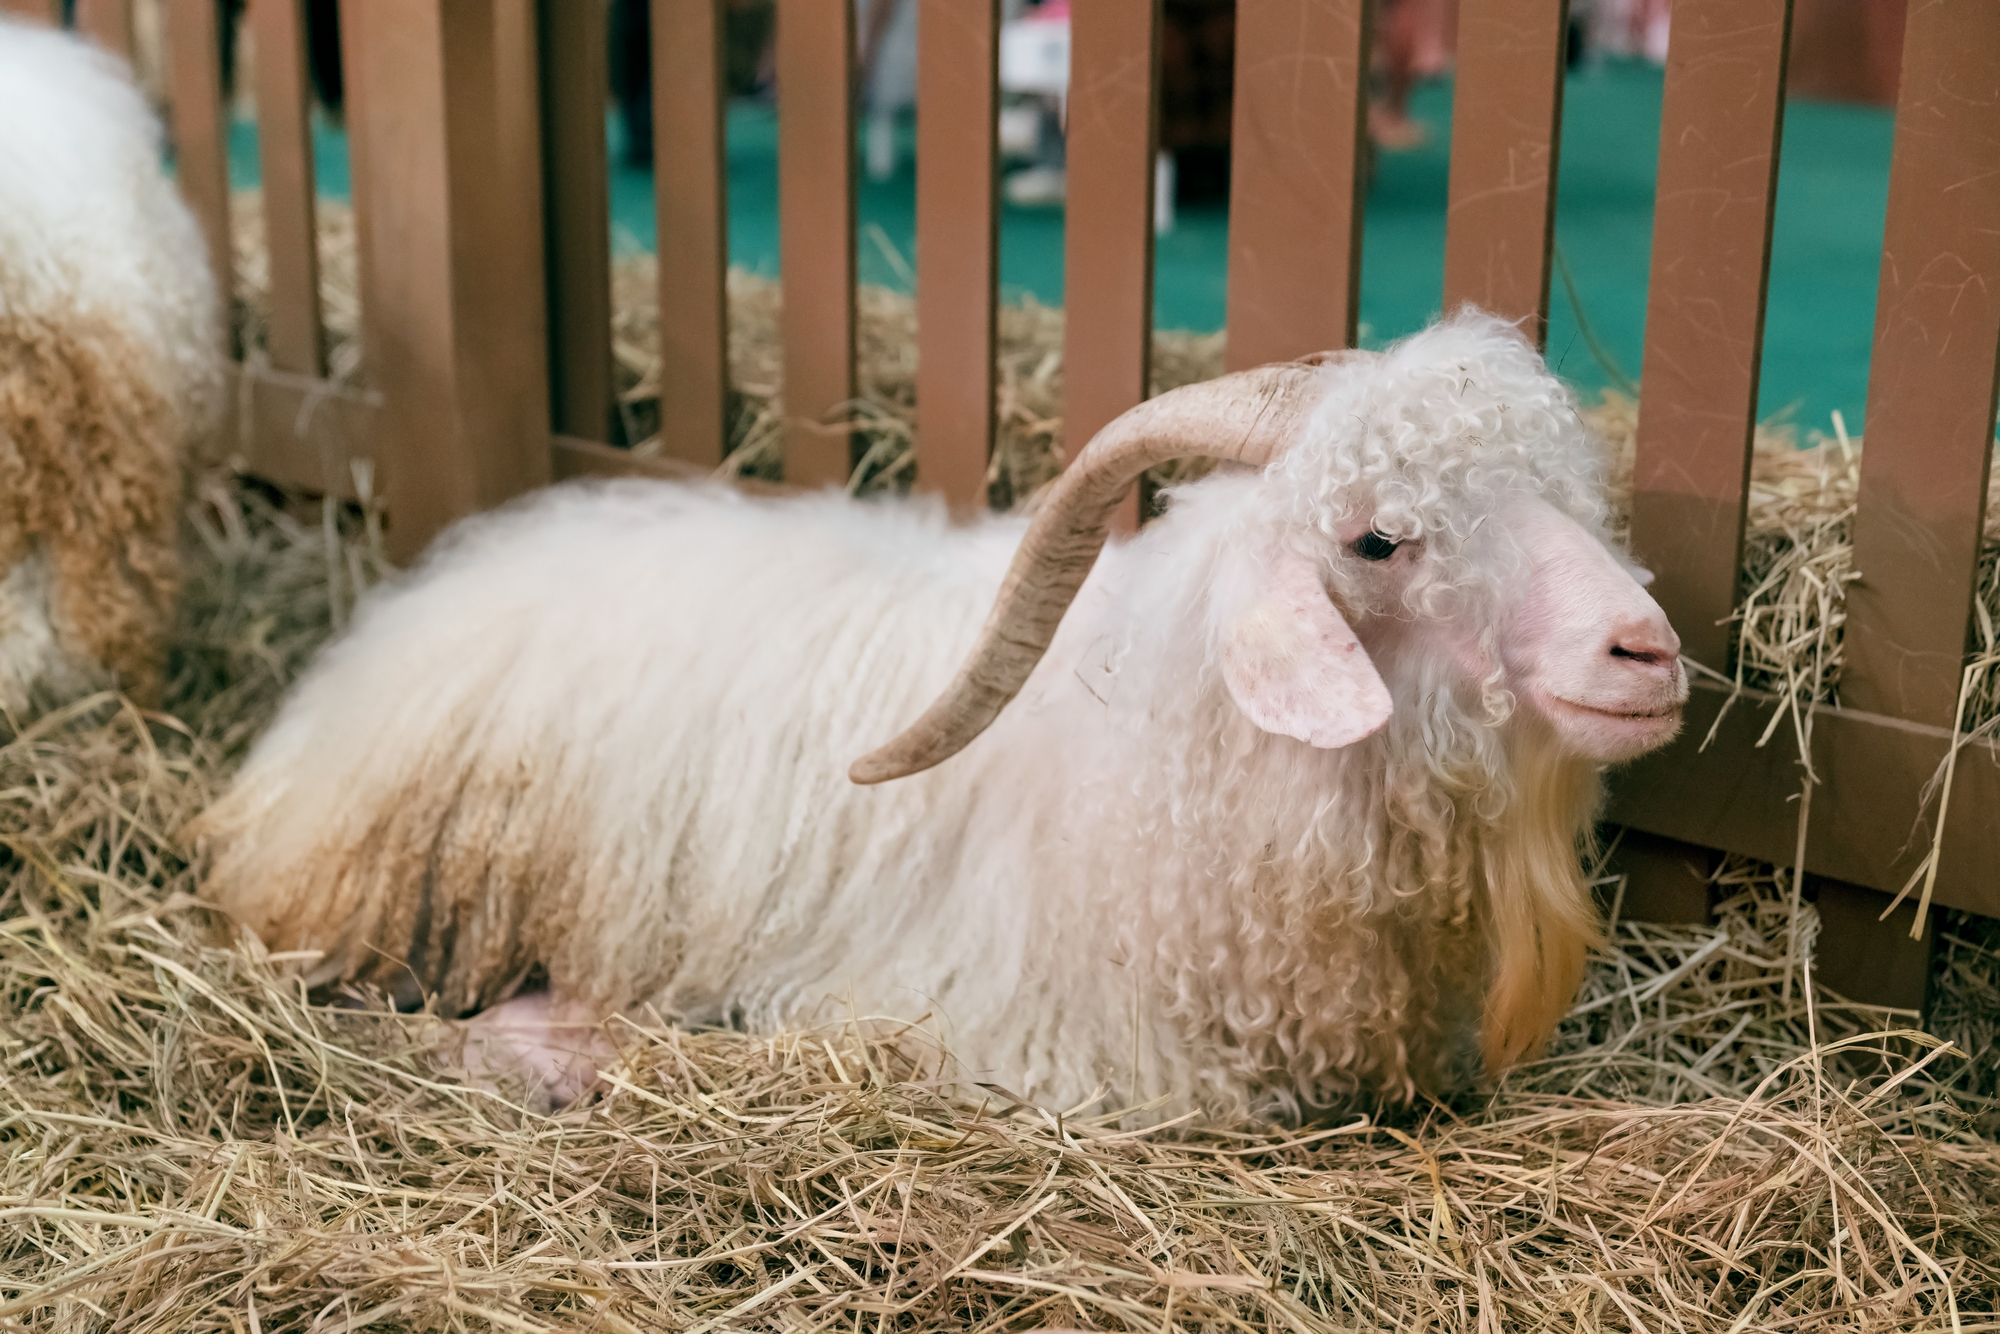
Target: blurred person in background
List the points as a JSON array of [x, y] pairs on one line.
[[1413, 40]]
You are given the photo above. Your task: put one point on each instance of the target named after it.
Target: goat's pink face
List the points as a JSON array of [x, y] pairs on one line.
[[1585, 646], [1580, 644]]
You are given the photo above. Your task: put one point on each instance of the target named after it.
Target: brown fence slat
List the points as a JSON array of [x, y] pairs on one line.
[[1665, 880], [957, 244], [1506, 121], [48, 11], [353, 18], [450, 318], [108, 23], [1719, 129], [1929, 437], [1865, 957], [201, 135], [690, 199], [816, 231], [1108, 231], [285, 155], [1297, 142], [521, 252], [575, 83]]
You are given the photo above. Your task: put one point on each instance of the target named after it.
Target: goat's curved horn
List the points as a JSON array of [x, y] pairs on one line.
[[1248, 417]]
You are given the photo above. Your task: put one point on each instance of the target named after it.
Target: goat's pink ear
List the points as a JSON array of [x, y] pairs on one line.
[[1291, 662]]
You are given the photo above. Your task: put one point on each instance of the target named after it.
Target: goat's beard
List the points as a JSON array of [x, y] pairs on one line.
[[1513, 811], [1539, 921], [1344, 927]]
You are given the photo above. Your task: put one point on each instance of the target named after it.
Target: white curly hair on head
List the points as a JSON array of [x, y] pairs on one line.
[[1445, 423], [1374, 980]]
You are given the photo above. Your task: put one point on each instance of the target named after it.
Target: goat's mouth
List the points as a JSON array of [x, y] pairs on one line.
[[1613, 734], [1671, 713]]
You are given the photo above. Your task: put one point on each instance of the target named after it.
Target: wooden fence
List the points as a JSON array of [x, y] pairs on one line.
[[479, 168]]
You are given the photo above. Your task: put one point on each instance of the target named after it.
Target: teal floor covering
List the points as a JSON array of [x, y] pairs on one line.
[[1832, 192]]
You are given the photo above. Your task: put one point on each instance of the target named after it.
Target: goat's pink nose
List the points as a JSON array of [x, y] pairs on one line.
[[1649, 645]]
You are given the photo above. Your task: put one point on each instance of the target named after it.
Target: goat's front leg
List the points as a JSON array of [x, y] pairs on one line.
[[549, 1053]]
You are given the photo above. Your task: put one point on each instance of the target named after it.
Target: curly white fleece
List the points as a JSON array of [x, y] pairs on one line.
[[90, 225], [110, 368], [603, 734]]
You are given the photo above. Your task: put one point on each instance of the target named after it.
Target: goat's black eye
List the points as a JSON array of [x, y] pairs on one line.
[[1371, 545]]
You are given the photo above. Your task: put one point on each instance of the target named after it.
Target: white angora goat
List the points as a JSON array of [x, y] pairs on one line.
[[1287, 812], [110, 365]]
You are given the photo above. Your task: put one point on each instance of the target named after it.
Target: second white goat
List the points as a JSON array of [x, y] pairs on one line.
[[110, 370], [1286, 815]]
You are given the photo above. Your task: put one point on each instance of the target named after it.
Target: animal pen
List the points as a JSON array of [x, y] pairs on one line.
[[480, 181]]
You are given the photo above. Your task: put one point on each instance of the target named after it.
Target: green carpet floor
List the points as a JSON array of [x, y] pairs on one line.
[[1832, 192]]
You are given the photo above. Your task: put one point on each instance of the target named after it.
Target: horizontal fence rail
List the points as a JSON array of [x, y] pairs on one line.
[[485, 291], [1869, 823]]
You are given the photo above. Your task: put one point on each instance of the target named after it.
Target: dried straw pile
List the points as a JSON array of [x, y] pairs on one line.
[[1714, 1143]]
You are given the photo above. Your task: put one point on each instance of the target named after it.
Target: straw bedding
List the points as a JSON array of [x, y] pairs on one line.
[[1713, 1142], [188, 1145]]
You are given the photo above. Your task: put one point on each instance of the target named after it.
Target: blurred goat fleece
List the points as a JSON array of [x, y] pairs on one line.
[[1284, 815], [110, 368]]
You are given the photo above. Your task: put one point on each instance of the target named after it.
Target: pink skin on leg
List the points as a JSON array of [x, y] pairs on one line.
[[547, 1053]]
